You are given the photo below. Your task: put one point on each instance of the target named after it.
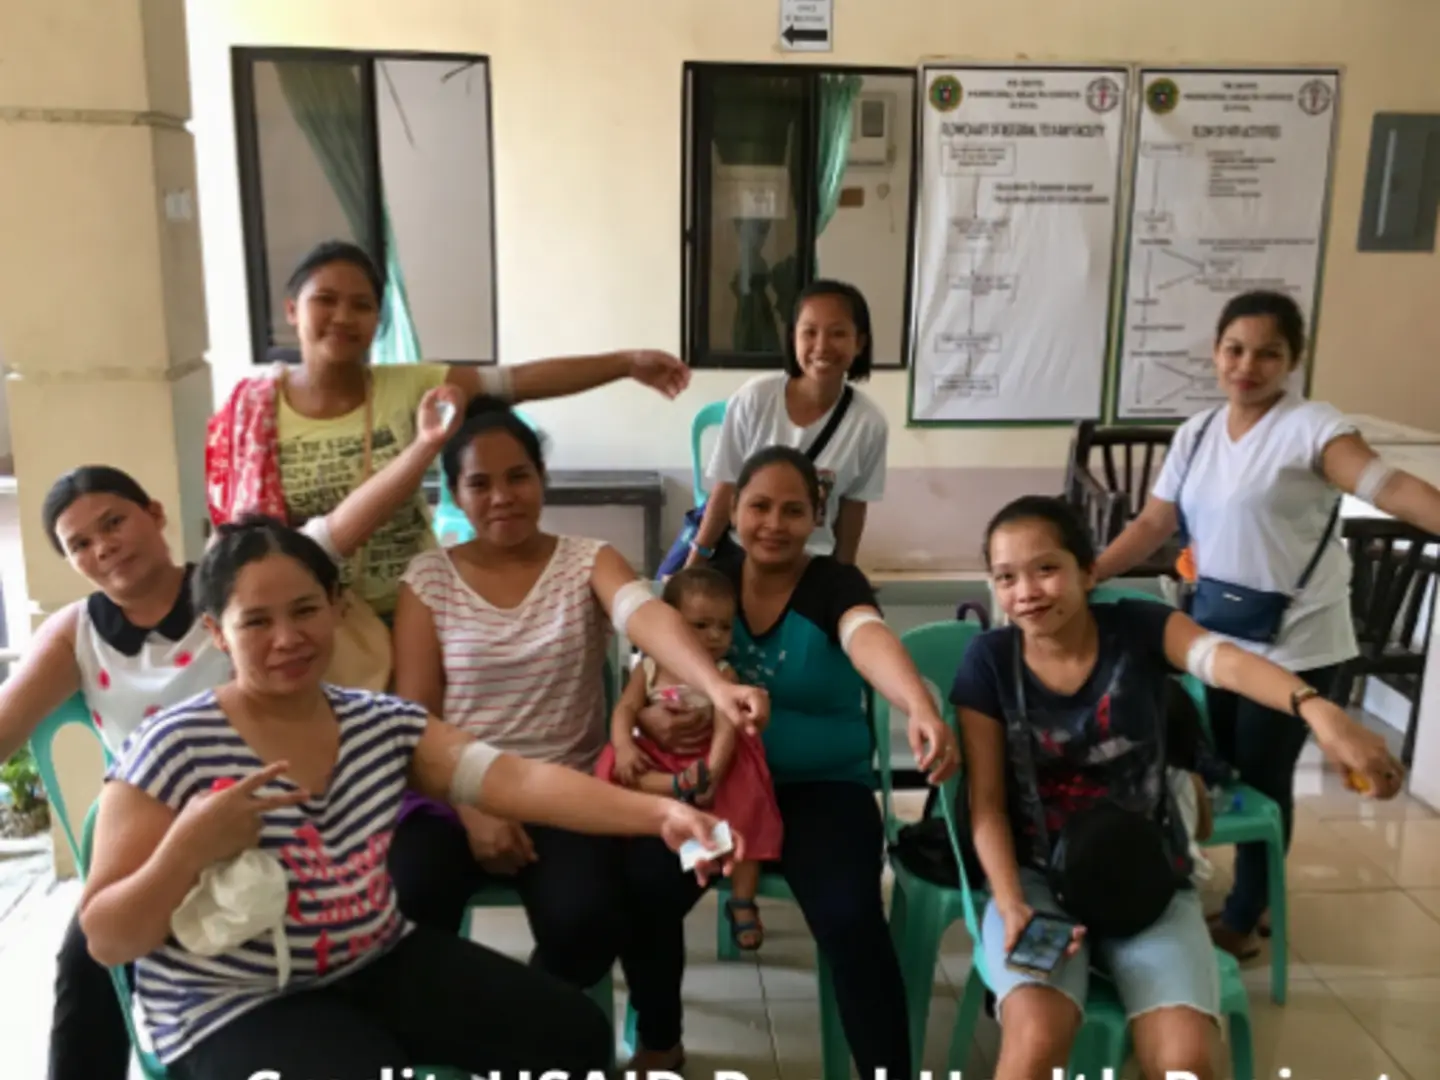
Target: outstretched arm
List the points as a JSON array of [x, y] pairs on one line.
[[1220, 664], [658, 630], [566, 375], [449, 765], [1350, 464]]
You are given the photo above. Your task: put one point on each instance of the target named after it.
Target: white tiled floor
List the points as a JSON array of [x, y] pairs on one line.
[[1365, 964]]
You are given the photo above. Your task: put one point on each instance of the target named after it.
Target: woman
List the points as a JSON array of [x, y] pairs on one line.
[[827, 349], [134, 646], [810, 632], [293, 444], [306, 779], [1256, 484], [505, 636], [1060, 713]]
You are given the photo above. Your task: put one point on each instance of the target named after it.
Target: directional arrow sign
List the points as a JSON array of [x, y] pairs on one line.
[[807, 25]]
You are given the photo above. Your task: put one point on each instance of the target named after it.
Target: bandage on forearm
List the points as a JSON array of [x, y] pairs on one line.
[[1373, 479], [469, 775], [1200, 657], [852, 622], [498, 381], [629, 599]]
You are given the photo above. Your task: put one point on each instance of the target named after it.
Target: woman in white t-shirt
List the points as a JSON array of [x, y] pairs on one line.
[[1255, 484], [135, 647], [827, 349]]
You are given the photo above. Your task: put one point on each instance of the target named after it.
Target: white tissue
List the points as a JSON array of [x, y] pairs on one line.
[[235, 902]]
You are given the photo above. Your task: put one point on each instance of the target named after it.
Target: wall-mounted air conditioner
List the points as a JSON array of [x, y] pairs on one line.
[[871, 129]]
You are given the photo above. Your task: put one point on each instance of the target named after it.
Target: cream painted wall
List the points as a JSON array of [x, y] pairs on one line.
[[587, 109]]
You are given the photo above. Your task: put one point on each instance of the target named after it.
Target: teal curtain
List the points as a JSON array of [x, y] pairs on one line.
[[325, 100], [837, 108]]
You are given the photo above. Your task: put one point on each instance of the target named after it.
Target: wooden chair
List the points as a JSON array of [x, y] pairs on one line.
[[1391, 583], [1108, 478]]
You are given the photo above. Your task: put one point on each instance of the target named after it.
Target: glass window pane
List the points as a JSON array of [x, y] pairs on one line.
[[756, 137], [433, 121], [313, 162], [863, 172]]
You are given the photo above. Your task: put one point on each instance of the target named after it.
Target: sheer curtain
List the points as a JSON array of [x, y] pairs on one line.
[[325, 100]]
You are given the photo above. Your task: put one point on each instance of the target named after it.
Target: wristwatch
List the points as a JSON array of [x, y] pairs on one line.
[[1299, 697], [703, 552]]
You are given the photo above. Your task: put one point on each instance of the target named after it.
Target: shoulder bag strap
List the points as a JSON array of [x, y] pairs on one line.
[[1189, 461], [1017, 729], [828, 432], [1314, 562]]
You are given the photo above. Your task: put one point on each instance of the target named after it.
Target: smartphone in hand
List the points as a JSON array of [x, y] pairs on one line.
[[1042, 945]]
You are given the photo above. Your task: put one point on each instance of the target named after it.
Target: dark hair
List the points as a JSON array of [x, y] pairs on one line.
[[781, 455], [859, 315], [250, 539], [489, 414], [335, 251], [1074, 537], [1275, 305], [697, 581], [87, 480]]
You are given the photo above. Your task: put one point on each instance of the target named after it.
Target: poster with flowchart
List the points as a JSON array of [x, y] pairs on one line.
[[1015, 254], [1230, 194]]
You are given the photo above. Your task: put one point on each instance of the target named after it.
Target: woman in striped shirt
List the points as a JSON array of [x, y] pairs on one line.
[[505, 637], [304, 780]]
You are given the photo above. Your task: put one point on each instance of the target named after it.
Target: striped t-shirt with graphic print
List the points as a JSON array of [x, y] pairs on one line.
[[342, 909]]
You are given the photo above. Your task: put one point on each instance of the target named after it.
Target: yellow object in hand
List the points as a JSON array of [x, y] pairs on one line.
[[1357, 782]]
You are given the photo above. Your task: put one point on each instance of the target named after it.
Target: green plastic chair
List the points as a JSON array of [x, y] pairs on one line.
[[42, 746], [1250, 817], [919, 911], [922, 911], [712, 415]]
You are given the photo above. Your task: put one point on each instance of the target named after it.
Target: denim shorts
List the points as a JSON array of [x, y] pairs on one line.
[[1170, 963]]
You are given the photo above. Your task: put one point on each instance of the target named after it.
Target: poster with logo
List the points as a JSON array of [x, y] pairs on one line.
[[1231, 194], [1020, 172]]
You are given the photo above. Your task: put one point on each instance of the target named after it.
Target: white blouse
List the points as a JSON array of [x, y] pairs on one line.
[[129, 672]]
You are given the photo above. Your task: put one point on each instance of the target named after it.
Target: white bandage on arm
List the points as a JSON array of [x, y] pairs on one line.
[[318, 529], [498, 381], [469, 776], [629, 598], [1373, 479], [1200, 657], [851, 622]]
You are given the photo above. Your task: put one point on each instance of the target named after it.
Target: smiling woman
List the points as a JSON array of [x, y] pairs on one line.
[[293, 444], [295, 778], [812, 405]]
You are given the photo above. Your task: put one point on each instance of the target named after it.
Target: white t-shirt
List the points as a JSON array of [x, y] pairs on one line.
[[1256, 509], [852, 465]]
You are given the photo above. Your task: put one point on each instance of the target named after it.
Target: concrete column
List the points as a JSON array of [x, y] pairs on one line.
[[102, 308]]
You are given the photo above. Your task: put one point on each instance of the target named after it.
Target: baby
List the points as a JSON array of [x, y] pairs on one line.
[[730, 778]]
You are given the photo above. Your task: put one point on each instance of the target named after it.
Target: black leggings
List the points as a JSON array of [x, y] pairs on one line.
[[832, 857], [589, 900], [432, 1000], [1264, 746], [88, 1037], [586, 893]]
